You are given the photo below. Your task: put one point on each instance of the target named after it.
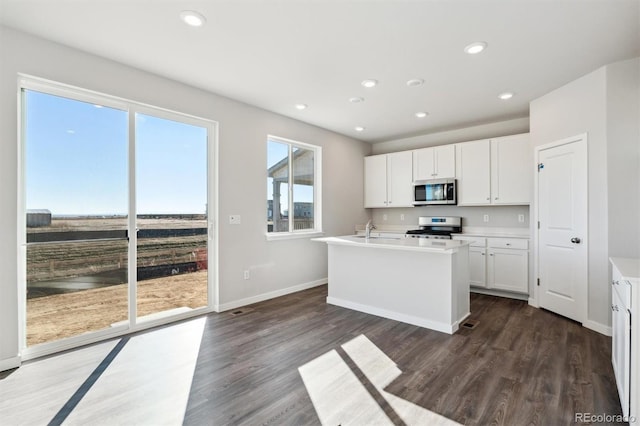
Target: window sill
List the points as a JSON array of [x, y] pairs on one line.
[[276, 236]]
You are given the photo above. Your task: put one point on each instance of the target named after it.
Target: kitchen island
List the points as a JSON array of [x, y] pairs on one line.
[[424, 282]]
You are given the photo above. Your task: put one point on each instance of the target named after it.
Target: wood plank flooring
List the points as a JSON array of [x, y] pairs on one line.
[[519, 365], [295, 360]]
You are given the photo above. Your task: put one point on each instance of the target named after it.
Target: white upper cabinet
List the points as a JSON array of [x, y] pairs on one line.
[[511, 170], [375, 181], [473, 172], [494, 171], [437, 162], [388, 180]]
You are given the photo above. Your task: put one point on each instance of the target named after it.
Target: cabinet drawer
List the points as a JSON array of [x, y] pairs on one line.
[[473, 241], [508, 243]]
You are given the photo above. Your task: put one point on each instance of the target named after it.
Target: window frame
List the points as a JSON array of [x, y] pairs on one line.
[[317, 191]]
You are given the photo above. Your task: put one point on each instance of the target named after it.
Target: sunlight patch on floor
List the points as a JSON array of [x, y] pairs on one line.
[[148, 383], [34, 393], [339, 397]]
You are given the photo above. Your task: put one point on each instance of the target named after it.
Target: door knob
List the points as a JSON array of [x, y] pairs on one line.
[[575, 240]]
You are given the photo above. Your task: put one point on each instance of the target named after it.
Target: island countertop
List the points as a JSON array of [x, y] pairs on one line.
[[411, 244]]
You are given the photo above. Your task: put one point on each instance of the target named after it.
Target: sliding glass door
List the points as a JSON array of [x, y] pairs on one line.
[[172, 219], [116, 199], [76, 216]]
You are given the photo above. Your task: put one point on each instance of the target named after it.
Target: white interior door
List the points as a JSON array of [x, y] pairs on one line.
[[562, 233]]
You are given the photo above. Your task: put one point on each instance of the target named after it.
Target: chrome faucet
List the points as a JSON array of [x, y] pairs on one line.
[[368, 228]]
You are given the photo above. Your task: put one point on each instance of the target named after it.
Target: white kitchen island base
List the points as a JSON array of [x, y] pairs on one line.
[[416, 281]]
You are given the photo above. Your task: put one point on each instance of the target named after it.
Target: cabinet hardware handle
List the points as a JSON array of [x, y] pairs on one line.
[[616, 282], [508, 244], [488, 198], [490, 254], [612, 308], [617, 308], [496, 198], [575, 240]]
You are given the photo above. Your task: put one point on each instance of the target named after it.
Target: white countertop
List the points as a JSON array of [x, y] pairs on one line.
[[411, 244], [491, 235], [628, 267]]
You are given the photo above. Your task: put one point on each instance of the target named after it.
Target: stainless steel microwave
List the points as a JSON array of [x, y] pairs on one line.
[[434, 191]]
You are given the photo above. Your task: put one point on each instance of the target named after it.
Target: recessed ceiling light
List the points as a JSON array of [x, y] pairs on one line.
[[475, 48], [356, 100], [414, 82], [193, 18], [301, 106], [506, 95], [369, 83], [421, 114], [359, 129], [98, 106]]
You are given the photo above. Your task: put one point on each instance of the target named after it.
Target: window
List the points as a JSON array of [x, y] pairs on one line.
[[293, 188]]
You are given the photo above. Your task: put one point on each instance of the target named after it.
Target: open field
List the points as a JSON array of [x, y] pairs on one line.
[[64, 315], [80, 286]]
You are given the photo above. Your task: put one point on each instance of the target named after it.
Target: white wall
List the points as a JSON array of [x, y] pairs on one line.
[[499, 216], [623, 158], [464, 134], [276, 265], [583, 106]]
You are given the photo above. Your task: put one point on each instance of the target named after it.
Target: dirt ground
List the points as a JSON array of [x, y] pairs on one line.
[[64, 315]]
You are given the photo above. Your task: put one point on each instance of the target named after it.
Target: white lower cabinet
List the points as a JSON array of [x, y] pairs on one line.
[[622, 313], [508, 269], [477, 267], [499, 264]]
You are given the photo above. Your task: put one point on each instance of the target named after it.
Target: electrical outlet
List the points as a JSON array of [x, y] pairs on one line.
[[384, 216], [247, 274], [401, 217], [521, 218], [485, 218], [234, 219]]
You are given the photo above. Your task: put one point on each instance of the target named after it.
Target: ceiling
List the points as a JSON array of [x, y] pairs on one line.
[[276, 54]]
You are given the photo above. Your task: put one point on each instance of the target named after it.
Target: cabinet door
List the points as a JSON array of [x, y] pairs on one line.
[[423, 164], [477, 267], [621, 348], [444, 158], [508, 270], [511, 170], [473, 173], [399, 179], [375, 181]]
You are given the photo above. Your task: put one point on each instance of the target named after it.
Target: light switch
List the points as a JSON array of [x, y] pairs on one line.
[[234, 219]]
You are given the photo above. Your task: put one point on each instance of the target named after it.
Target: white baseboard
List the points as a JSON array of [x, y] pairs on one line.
[[596, 326], [499, 293], [532, 302], [270, 295], [397, 316], [10, 363]]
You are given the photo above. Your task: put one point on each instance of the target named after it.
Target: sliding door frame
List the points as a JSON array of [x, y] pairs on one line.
[[27, 82]]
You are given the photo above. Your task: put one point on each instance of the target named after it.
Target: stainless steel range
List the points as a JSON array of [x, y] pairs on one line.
[[440, 227]]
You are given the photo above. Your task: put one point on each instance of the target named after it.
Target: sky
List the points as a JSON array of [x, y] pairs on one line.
[[76, 160]]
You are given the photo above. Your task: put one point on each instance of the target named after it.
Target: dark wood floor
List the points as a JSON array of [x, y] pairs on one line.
[[519, 365]]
